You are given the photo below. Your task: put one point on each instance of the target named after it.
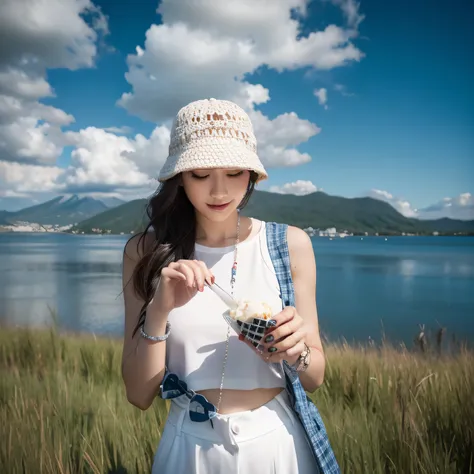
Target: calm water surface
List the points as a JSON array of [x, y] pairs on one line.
[[362, 285]]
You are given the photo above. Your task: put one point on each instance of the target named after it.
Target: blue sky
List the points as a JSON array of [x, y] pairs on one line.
[[399, 120]]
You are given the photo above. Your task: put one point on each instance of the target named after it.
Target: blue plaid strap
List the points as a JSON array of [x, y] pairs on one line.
[[302, 404]]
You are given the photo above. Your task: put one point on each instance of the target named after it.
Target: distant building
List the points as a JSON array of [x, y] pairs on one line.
[[330, 232]]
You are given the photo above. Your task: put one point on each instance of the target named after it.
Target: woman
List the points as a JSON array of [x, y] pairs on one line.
[[234, 408]]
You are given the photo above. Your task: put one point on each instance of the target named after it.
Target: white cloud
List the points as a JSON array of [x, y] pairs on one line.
[[299, 188], [342, 89], [460, 207], [99, 162], [30, 132], [18, 180], [205, 48], [102, 163], [350, 8], [52, 33], [402, 206], [322, 95], [36, 35], [277, 138], [17, 83], [149, 154], [119, 130], [29, 141]]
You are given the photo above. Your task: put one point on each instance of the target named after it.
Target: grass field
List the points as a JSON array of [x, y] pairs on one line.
[[63, 409]]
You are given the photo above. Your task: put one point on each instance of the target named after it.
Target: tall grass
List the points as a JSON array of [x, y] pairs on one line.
[[63, 409]]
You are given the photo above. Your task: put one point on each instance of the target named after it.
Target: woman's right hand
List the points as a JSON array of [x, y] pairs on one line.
[[179, 282]]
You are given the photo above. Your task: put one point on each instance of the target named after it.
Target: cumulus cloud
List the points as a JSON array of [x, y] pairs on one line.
[[17, 179], [322, 95], [34, 36], [17, 83], [278, 138], [31, 132], [401, 205], [203, 48], [299, 188], [459, 207], [149, 154], [206, 48], [99, 162]]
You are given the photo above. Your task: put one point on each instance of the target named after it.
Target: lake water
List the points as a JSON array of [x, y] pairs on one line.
[[363, 285]]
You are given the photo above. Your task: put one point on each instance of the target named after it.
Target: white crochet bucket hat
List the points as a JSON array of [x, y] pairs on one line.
[[212, 133]]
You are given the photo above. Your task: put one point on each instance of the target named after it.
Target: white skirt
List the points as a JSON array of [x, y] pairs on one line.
[[267, 440]]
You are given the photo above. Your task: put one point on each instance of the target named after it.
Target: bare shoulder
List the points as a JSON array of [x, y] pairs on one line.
[[298, 241], [138, 245], [301, 251]]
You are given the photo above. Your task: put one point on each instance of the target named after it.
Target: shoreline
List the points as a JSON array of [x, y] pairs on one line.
[[335, 237]]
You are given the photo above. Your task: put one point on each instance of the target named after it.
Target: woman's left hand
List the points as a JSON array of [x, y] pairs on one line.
[[285, 341]]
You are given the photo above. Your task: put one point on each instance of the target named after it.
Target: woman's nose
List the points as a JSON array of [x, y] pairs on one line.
[[219, 188]]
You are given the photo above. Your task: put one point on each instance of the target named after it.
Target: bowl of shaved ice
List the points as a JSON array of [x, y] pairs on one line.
[[250, 318]]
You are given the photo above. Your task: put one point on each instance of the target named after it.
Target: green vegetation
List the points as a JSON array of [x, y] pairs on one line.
[[317, 210], [125, 218], [63, 409]]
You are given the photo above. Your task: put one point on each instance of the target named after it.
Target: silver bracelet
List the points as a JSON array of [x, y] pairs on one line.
[[156, 338]]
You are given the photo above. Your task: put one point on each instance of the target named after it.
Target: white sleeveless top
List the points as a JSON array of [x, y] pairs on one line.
[[195, 348]]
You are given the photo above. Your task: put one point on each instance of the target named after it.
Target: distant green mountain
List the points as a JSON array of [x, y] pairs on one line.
[[61, 210], [449, 226], [126, 218], [318, 210], [5, 217]]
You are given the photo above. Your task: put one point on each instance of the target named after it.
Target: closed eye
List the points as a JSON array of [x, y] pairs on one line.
[[239, 173], [232, 175], [196, 176]]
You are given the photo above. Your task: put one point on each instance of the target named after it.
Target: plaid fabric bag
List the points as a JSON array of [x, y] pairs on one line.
[[301, 403]]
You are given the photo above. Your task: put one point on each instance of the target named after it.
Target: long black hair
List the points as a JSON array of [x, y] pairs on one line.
[[173, 220]]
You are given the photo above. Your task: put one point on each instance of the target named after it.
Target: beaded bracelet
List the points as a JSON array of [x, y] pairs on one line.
[[156, 338]]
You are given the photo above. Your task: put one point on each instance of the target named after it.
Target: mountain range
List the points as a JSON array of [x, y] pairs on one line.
[[62, 210], [318, 210]]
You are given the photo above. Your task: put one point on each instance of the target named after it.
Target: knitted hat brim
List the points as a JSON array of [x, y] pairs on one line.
[[230, 154]]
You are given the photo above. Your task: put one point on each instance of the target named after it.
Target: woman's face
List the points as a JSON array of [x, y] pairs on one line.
[[216, 193]]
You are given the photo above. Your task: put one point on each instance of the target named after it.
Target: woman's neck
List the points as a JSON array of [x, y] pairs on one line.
[[221, 234]]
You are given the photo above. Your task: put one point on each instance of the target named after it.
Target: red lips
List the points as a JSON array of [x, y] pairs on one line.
[[218, 207]]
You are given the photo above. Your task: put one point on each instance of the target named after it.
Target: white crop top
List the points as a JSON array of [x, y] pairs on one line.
[[195, 347]]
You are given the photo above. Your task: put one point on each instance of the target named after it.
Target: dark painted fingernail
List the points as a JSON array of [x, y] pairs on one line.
[[272, 349], [272, 323], [269, 338]]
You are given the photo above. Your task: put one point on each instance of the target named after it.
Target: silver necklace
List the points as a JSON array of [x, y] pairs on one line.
[[232, 284]]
